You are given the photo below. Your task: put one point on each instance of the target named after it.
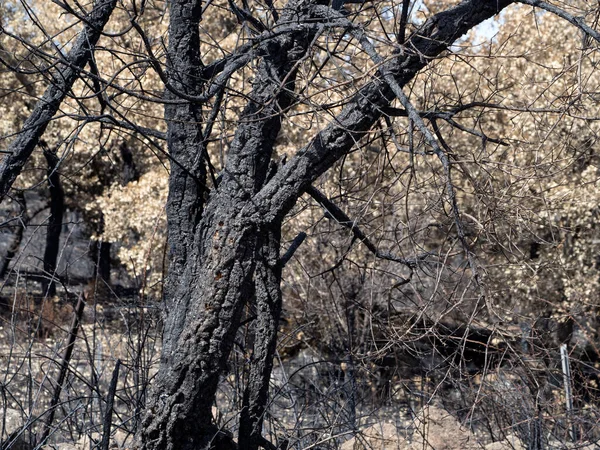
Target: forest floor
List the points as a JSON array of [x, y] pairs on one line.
[[311, 410]]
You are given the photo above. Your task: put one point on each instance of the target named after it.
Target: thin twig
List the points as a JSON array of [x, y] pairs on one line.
[[564, 359], [577, 21], [341, 218], [297, 242]]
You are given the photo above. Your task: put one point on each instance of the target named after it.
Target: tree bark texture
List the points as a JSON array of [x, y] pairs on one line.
[[186, 145], [220, 265], [234, 254], [45, 109], [267, 281], [367, 106]]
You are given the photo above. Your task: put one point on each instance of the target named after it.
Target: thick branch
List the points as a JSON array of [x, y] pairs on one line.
[[17, 238], [35, 125], [365, 108], [296, 243]]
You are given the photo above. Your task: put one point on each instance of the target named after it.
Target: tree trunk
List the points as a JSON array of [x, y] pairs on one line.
[[267, 285], [129, 171], [57, 207], [186, 144], [45, 109], [100, 255], [220, 263], [235, 247]]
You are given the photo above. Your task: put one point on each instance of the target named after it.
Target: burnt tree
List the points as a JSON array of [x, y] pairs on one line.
[[225, 253], [63, 79], [225, 229]]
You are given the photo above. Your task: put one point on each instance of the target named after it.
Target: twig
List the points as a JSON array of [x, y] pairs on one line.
[[49, 104], [341, 217], [577, 21], [297, 242]]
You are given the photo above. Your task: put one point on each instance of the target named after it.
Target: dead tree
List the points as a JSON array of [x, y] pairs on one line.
[[227, 250], [225, 229], [57, 208]]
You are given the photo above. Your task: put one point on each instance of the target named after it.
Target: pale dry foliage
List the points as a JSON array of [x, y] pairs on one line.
[[525, 173]]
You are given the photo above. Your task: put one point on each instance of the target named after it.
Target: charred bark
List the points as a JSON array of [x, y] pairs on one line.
[[129, 171], [236, 240], [267, 281], [100, 255], [45, 109], [57, 208], [179, 411], [186, 145], [219, 274], [365, 108]]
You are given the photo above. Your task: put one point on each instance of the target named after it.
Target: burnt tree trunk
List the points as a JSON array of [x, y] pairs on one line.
[[100, 255], [267, 280], [129, 171], [226, 253], [218, 277], [57, 208], [186, 145]]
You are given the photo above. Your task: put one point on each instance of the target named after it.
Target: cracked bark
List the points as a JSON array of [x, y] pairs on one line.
[[231, 253], [267, 278], [187, 177], [217, 271]]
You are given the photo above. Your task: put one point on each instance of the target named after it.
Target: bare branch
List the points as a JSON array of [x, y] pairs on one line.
[[366, 107], [577, 21], [296, 243], [35, 125], [340, 217]]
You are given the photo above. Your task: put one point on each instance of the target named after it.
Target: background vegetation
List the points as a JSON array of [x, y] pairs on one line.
[[427, 295]]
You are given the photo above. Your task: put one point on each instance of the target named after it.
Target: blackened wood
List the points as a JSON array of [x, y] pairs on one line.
[[54, 228], [110, 402], [216, 275], [186, 145], [129, 171], [365, 108], [103, 262], [219, 271], [267, 279], [17, 238], [296, 243]]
